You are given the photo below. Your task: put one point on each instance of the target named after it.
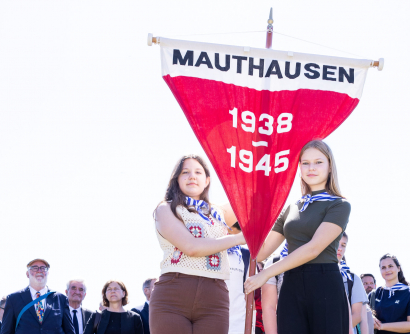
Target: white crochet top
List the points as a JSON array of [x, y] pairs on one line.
[[212, 266]]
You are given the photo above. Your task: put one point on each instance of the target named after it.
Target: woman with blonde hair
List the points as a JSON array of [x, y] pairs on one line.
[[191, 295], [114, 319], [313, 299]]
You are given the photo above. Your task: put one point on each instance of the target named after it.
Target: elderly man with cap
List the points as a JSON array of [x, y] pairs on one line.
[[37, 309]]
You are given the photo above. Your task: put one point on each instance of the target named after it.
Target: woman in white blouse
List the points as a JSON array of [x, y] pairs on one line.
[[191, 294]]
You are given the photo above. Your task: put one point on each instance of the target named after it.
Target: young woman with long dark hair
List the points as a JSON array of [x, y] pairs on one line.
[[191, 295], [392, 301], [313, 298]]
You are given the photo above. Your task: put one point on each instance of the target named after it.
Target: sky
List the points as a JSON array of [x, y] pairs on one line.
[[89, 131]]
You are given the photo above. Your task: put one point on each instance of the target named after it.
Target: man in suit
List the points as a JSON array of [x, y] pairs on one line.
[[2, 306], [50, 315], [76, 292], [143, 311]]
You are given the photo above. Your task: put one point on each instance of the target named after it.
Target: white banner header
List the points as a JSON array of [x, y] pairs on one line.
[[263, 69]]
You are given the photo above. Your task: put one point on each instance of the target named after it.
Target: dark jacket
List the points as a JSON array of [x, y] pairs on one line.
[[86, 314], [144, 313], [57, 319], [130, 323]]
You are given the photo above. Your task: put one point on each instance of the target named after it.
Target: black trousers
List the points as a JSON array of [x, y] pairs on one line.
[[313, 301], [258, 330]]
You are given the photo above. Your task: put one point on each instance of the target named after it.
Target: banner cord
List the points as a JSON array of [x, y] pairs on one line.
[[325, 46], [222, 33], [264, 31]]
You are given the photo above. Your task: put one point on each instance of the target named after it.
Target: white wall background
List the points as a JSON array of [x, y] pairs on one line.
[[89, 131]]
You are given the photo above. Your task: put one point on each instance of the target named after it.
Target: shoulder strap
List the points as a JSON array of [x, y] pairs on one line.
[[97, 321], [276, 258], [246, 256], [350, 284], [35, 301], [350, 288], [372, 299]]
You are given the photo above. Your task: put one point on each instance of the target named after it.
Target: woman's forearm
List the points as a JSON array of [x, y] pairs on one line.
[[173, 230], [297, 258], [269, 305], [397, 327], [270, 321], [356, 318], [364, 326], [300, 256], [324, 235], [206, 246], [271, 244], [356, 313]]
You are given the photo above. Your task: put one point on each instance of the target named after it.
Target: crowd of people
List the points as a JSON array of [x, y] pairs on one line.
[[113, 318], [38, 309], [304, 287]]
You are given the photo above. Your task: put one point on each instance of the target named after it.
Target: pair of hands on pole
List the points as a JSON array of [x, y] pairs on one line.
[[324, 235]]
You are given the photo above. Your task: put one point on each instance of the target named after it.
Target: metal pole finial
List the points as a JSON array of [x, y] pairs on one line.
[[269, 30], [270, 21]]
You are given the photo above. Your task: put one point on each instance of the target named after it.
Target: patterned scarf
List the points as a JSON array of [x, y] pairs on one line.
[[200, 205], [307, 199], [235, 250], [345, 271], [398, 286], [284, 251]]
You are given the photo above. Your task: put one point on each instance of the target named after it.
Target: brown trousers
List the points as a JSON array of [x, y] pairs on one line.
[[186, 304]]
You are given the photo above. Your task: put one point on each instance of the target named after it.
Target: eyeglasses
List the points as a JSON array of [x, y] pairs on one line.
[[366, 284], [113, 289], [37, 268]]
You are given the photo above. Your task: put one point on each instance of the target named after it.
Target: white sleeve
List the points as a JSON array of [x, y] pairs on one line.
[[273, 279]]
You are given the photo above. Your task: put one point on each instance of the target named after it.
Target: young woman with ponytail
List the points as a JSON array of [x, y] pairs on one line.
[[312, 298], [191, 295], [392, 301]]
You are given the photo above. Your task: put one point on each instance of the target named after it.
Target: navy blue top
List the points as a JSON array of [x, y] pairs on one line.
[[393, 309], [114, 326]]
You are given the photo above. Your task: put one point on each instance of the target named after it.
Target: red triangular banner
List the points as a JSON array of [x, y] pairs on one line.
[[253, 111]]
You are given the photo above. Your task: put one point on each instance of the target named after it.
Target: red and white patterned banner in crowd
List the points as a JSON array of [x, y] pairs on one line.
[[253, 110]]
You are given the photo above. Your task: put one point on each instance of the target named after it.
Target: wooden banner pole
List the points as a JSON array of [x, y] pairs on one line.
[[250, 300]]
